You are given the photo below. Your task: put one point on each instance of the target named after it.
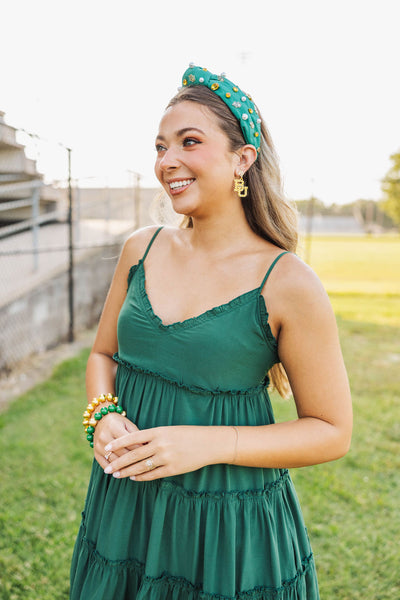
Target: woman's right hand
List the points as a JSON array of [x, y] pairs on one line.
[[109, 428]]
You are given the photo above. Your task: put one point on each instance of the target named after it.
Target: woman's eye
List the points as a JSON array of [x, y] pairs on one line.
[[190, 141], [160, 148]]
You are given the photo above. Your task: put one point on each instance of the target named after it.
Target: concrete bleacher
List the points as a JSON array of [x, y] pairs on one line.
[[21, 185]]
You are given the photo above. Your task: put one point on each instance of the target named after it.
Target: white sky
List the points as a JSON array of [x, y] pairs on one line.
[[96, 75]]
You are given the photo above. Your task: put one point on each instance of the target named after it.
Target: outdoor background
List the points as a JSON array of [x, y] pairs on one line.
[[82, 88]]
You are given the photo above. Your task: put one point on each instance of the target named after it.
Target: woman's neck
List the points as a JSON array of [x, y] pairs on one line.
[[217, 233]]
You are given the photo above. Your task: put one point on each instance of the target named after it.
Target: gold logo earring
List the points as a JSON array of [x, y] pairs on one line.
[[240, 188]]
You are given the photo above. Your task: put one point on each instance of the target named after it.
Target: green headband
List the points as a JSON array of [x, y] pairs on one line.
[[240, 104]]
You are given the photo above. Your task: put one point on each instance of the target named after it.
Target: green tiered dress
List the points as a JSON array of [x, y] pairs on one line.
[[220, 532]]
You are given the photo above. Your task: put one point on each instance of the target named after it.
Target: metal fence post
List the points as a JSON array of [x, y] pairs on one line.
[[77, 212], [35, 224], [71, 254]]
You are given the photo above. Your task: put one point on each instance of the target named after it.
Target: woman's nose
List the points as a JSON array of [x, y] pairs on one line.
[[169, 159]]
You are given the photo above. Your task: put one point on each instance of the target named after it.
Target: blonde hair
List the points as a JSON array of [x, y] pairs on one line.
[[268, 212]]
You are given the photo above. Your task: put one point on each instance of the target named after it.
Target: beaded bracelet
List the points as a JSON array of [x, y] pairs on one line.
[[87, 415], [90, 421]]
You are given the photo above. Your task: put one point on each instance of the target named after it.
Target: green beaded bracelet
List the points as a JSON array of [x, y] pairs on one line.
[[111, 408]]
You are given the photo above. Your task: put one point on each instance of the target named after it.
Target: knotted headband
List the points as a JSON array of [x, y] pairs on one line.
[[240, 104]]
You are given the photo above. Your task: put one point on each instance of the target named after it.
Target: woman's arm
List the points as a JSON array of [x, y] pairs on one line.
[[309, 349], [101, 368]]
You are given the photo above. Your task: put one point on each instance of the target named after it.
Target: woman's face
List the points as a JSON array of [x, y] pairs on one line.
[[194, 163]]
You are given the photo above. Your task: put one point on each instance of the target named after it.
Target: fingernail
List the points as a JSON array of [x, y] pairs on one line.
[[108, 469], [133, 478], [107, 448], [117, 474]]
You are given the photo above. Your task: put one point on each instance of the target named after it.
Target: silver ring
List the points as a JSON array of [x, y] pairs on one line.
[[107, 456], [150, 464]]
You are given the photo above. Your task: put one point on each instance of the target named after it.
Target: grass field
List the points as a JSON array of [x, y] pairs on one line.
[[350, 506], [361, 275]]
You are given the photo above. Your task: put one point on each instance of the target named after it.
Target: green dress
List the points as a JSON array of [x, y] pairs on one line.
[[223, 531]]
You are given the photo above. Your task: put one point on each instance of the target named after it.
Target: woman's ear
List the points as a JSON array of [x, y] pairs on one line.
[[247, 155]]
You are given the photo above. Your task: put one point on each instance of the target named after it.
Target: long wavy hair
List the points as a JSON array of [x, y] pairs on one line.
[[268, 212]]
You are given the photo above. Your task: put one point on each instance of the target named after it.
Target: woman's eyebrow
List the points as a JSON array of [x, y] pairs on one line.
[[186, 129], [181, 132]]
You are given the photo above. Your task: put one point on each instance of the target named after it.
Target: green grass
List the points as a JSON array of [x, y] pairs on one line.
[[45, 471], [350, 506], [361, 275], [367, 265], [381, 309]]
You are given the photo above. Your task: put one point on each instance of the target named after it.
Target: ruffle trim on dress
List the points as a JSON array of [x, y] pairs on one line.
[[168, 585], [191, 388], [213, 312], [264, 316], [132, 271], [229, 495], [205, 316], [258, 593], [130, 563]]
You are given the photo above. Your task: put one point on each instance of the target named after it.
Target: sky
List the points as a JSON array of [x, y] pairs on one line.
[[96, 76]]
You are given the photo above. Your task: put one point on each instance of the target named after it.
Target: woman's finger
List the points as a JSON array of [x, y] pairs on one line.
[[105, 458], [145, 470], [101, 460], [139, 454], [106, 431], [144, 436], [156, 473], [110, 456]]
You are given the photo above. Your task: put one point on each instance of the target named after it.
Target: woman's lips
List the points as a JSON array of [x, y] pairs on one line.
[[179, 185]]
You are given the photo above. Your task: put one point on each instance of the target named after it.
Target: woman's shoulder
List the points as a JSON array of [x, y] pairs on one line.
[[291, 270], [136, 244], [293, 287]]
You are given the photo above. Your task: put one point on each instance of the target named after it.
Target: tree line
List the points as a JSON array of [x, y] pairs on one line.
[[384, 213]]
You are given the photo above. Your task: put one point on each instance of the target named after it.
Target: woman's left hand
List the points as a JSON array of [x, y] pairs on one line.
[[173, 450]]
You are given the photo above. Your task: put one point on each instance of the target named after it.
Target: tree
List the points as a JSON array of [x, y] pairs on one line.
[[391, 189]]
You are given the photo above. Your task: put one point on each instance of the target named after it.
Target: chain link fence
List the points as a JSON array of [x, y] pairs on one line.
[[59, 242]]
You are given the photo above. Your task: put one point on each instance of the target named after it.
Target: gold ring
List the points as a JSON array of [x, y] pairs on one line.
[[107, 456], [150, 464]]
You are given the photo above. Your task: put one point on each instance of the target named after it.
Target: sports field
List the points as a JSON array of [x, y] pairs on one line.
[[361, 275], [350, 506]]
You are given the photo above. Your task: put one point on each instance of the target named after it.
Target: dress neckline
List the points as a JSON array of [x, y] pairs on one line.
[[191, 321]]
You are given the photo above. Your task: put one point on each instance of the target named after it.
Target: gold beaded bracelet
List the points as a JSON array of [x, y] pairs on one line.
[[90, 421]]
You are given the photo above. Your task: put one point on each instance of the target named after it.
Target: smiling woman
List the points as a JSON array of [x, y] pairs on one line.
[[190, 495], [196, 157]]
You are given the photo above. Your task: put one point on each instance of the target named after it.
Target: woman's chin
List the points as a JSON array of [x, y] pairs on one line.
[[187, 209]]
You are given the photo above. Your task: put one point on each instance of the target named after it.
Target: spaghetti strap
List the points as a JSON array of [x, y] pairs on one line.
[[271, 267], [151, 242]]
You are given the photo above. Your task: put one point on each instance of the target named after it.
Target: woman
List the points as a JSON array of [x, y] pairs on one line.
[[190, 496]]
